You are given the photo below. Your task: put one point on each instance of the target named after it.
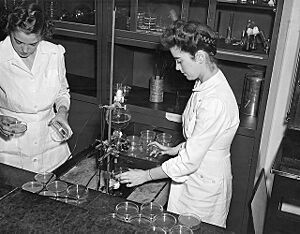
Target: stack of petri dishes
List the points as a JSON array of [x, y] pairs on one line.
[[180, 229], [165, 221], [151, 209], [126, 210], [190, 220], [77, 194]]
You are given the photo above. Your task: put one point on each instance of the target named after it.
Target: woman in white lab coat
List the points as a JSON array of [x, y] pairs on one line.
[[34, 94], [200, 169]]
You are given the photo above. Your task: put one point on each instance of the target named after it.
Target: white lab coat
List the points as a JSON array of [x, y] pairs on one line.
[[30, 96], [201, 173]]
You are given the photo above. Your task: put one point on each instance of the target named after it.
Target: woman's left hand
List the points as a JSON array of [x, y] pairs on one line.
[[133, 177]]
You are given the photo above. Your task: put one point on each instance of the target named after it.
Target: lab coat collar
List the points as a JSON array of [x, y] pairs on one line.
[[8, 53], [208, 84]]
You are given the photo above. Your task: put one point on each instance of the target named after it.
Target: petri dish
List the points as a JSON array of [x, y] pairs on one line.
[[156, 230], [32, 186], [180, 229], [126, 210], [151, 209], [165, 221], [18, 128], [189, 220], [140, 221], [77, 191], [57, 186], [47, 193], [44, 177]]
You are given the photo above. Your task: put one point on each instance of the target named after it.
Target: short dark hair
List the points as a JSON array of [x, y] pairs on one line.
[[30, 18], [190, 37]]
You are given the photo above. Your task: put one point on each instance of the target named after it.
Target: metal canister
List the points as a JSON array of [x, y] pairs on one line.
[[251, 93], [156, 89]]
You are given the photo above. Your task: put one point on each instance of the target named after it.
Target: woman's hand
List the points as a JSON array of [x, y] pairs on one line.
[[7, 125], [172, 151], [61, 125], [133, 177]]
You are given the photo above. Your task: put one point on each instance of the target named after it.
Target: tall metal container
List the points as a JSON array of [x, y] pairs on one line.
[[251, 93]]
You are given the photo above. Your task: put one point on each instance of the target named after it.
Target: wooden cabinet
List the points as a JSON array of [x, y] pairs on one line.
[[136, 55], [84, 29]]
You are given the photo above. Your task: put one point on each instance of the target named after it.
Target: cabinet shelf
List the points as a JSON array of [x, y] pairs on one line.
[[78, 30], [139, 104], [226, 52], [246, 6]]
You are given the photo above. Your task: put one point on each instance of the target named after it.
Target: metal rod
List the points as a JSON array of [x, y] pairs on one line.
[[111, 87], [111, 68]]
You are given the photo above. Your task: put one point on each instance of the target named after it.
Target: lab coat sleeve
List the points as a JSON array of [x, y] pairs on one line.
[[63, 97], [210, 120]]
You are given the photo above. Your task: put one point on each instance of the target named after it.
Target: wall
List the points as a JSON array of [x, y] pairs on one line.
[[281, 87]]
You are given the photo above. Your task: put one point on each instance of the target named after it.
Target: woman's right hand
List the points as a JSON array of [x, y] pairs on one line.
[[172, 151], [7, 125]]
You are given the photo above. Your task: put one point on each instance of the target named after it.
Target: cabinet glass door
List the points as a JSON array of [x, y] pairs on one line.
[[80, 11], [198, 11], [148, 16]]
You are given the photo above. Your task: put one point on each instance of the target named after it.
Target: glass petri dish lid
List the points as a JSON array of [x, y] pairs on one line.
[[32, 186], [47, 193], [180, 229], [57, 186], [45, 177], [165, 221], [126, 210], [156, 230], [151, 209], [190, 220], [77, 191], [140, 221]]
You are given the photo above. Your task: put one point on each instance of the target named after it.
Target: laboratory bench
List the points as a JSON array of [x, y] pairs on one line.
[[26, 212]]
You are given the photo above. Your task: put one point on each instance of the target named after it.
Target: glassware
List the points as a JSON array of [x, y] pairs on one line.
[[77, 191], [156, 230], [45, 177], [180, 229], [32, 186], [126, 210], [150, 23], [192, 221], [47, 194], [18, 128], [57, 186], [165, 221], [140, 221], [151, 209], [58, 133], [135, 147], [164, 139], [146, 137]]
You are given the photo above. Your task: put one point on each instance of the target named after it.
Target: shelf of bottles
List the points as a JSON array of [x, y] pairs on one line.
[[73, 18]]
